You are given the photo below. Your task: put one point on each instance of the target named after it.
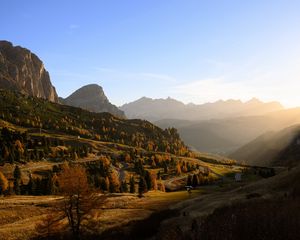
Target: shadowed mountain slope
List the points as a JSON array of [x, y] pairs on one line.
[[224, 136], [280, 148]]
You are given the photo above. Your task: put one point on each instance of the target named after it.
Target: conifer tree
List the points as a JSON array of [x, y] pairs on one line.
[[142, 186], [195, 181], [17, 179], [148, 180], [189, 181], [30, 185], [158, 175], [124, 187], [17, 189], [132, 185]]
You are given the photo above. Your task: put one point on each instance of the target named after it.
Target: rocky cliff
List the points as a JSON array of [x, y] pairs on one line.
[[23, 71], [91, 97]]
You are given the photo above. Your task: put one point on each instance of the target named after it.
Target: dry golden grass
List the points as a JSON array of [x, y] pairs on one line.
[[20, 214], [21, 229]]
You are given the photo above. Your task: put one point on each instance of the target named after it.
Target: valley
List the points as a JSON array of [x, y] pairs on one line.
[[121, 210], [79, 167]]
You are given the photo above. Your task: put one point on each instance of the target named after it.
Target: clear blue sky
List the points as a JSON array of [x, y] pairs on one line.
[[194, 50]]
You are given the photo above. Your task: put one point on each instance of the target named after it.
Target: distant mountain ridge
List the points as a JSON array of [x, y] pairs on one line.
[[158, 109], [91, 97], [279, 148], [23, 71], [224, 136]]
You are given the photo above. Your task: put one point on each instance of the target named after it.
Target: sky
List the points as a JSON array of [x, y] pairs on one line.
[[194, 50]]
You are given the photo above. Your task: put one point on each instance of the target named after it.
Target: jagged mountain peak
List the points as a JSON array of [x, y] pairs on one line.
[[23, 71]]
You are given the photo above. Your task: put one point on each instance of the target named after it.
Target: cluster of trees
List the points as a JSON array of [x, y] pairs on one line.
[[104, 176], [12, 145], [169, 164], [46, 185], [150, 181], [184, 167], [20, 147], [201, 178], [38, 113]]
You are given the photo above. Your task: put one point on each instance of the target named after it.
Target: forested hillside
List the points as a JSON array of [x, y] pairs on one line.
[[37, 114]]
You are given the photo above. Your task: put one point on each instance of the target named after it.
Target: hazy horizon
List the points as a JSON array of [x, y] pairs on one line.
[[223, 100], [194, 51]]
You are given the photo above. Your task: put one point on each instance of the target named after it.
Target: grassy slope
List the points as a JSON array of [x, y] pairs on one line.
[[245, 200], [19, 214], [118, 210]]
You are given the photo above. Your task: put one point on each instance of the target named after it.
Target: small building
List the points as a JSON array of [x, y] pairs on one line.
[[238, 177]]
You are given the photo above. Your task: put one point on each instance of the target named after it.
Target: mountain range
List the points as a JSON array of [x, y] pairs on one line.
[[221, 127], [158, 109]]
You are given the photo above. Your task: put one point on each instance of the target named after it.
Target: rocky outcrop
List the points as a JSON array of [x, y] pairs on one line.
[[23, 71], [91, 97]]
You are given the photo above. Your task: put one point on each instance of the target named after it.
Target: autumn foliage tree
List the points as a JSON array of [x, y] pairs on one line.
[[3, 183], [78, 200], [114, 182], [178, 169]]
